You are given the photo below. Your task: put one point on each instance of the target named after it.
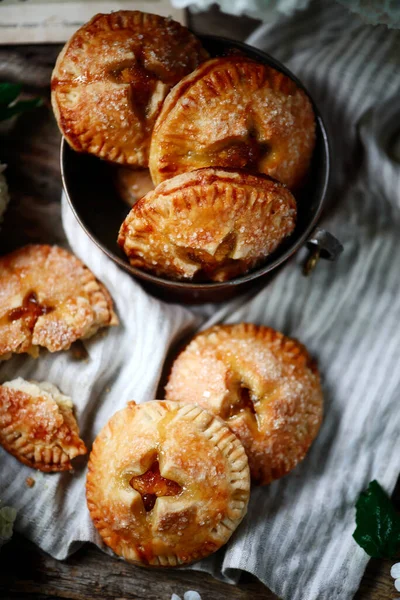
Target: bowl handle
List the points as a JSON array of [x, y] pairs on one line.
[[321, 244]]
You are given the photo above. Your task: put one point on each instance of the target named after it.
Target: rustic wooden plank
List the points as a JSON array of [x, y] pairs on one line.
[[31, 150], [27, 571], [377, 583]]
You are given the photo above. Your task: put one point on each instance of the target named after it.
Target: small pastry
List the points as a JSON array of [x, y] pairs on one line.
[[167, 483], [210, 224], [263, 384], [111, 78], [132, 184], [49, 298], [235, 112], [37, 425]]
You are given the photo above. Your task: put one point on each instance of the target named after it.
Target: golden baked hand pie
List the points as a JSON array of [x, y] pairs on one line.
[[167, 483], [49, 298], [111, 79], [211, 224], [264, 385], [132, 184], [235, 112], [37, 425]]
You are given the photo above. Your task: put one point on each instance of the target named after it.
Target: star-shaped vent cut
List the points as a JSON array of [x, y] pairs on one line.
[[30, 310], [151, 485]]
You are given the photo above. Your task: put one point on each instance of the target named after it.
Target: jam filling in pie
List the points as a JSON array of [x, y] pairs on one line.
[[238, 113], [111, 78], [48, 298], [167, 484], [210, 224], [263, 384], [152, 485]]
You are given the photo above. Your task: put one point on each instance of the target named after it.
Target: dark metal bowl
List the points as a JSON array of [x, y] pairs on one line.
[[89, 187]]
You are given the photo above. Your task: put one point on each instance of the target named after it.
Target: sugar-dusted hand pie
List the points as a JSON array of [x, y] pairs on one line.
[[168, 483], [37, 425], [235, 112], [111, 79], [49, 298], [210, 224], [132, 184], [263, 384]]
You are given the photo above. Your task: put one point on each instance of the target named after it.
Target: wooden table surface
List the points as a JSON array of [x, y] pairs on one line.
[[31, 150]]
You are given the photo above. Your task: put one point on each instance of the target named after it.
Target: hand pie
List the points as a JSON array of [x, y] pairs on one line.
[[111, 78], [37, 425], [210, 224], [48, 298], [167, 483], [132, 184], [235, 112], [263, 384]]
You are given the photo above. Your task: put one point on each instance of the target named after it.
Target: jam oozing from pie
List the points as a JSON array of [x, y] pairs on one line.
[[151, 485], [30, 310], [243, 403], [142, 81]]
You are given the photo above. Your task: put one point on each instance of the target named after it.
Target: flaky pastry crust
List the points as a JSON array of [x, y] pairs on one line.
[[37, 425], [210, 224], [167, 483], [111, 78], [235, 112], [49, 298], [132, 184], [263, 384]]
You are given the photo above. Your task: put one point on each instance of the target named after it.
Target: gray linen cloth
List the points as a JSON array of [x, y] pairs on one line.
[[296, 537]]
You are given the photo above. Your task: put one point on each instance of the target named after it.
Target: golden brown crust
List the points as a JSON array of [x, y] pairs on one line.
[[37, 425], [49, 298], [235, 112], [210, 224], [132, 184], [263, 384], [111, 79], [199, 499]]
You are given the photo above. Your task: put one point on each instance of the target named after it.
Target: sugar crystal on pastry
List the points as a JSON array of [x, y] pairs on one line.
[[111, 78], [238, 113], [263, 384], [167, 483], [210, 224], [132, 184], [49, 298], [37, 425]]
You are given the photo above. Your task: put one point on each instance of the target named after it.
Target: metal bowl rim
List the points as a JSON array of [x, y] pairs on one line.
[[187, 285]]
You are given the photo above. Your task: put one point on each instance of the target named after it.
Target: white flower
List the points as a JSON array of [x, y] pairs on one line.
[[7, 518], [187, 596], [395, 573]]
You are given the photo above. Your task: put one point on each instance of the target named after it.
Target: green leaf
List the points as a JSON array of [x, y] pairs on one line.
[[19, 107], [378, 524], [9, 92]]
